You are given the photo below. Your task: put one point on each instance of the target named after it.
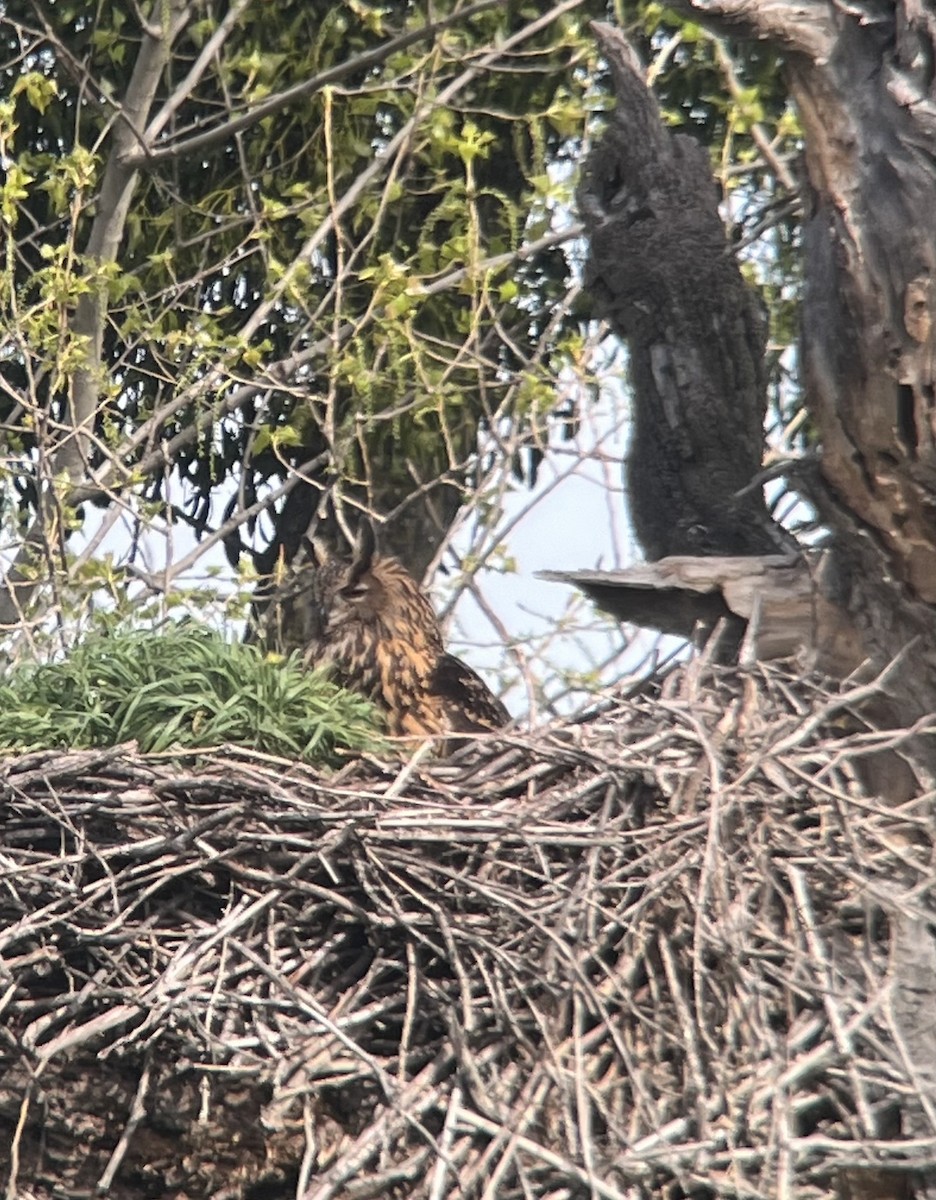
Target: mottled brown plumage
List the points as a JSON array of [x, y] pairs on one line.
[[369, 623]]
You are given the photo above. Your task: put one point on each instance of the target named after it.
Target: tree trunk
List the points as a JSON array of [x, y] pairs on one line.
[[863, 79], [865, 90], [657, 245]]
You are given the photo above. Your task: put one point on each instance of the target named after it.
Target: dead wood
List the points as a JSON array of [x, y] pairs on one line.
[[771, 605], [648, 954], [659, 268], [661, 271], [864, 84]]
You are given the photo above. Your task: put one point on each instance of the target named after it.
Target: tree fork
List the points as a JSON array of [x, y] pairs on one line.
[[868, 341], [866, 94]]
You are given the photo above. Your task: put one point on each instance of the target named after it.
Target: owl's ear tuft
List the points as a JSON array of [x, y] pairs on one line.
[[364, 552]]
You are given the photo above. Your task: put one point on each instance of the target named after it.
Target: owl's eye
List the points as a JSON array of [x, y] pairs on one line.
[[354, 591]]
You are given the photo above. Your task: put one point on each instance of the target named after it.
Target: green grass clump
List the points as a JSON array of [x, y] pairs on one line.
[[181, 687]]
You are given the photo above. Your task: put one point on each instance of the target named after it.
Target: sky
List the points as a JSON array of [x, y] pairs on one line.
[[520, 630]]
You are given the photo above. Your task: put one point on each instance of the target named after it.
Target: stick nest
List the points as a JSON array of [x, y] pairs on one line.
[[672, 949]]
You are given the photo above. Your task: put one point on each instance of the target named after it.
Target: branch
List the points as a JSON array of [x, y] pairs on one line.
[[124, 468], [190, 82], [775, 163], [860, 75], [801, 26], [381, 162], [774, 602], [107, 230], [272, 104], [163, 581], [124, 472]]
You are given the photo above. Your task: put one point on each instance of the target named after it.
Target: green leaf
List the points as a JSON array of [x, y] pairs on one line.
[[39, 90], [181, 687]]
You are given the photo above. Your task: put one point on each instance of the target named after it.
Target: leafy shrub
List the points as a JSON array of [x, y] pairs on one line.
[[181, 686]]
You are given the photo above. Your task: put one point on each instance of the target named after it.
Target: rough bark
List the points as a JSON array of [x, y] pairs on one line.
[[657, 245], [863, 76], [864, 83], [869, 338]]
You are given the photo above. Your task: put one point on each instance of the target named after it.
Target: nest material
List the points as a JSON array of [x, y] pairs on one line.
[[659, 952]]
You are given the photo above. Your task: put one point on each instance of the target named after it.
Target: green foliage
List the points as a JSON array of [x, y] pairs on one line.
[[279, 232], [344, 277], [179, 688]]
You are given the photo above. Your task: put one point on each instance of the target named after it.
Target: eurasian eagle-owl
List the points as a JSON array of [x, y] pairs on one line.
[[368, 622]]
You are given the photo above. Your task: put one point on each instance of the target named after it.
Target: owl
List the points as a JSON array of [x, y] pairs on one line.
[[368, 622]]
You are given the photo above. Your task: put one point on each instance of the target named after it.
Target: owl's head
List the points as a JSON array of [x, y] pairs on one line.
[[347, 590], [334, 607]]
